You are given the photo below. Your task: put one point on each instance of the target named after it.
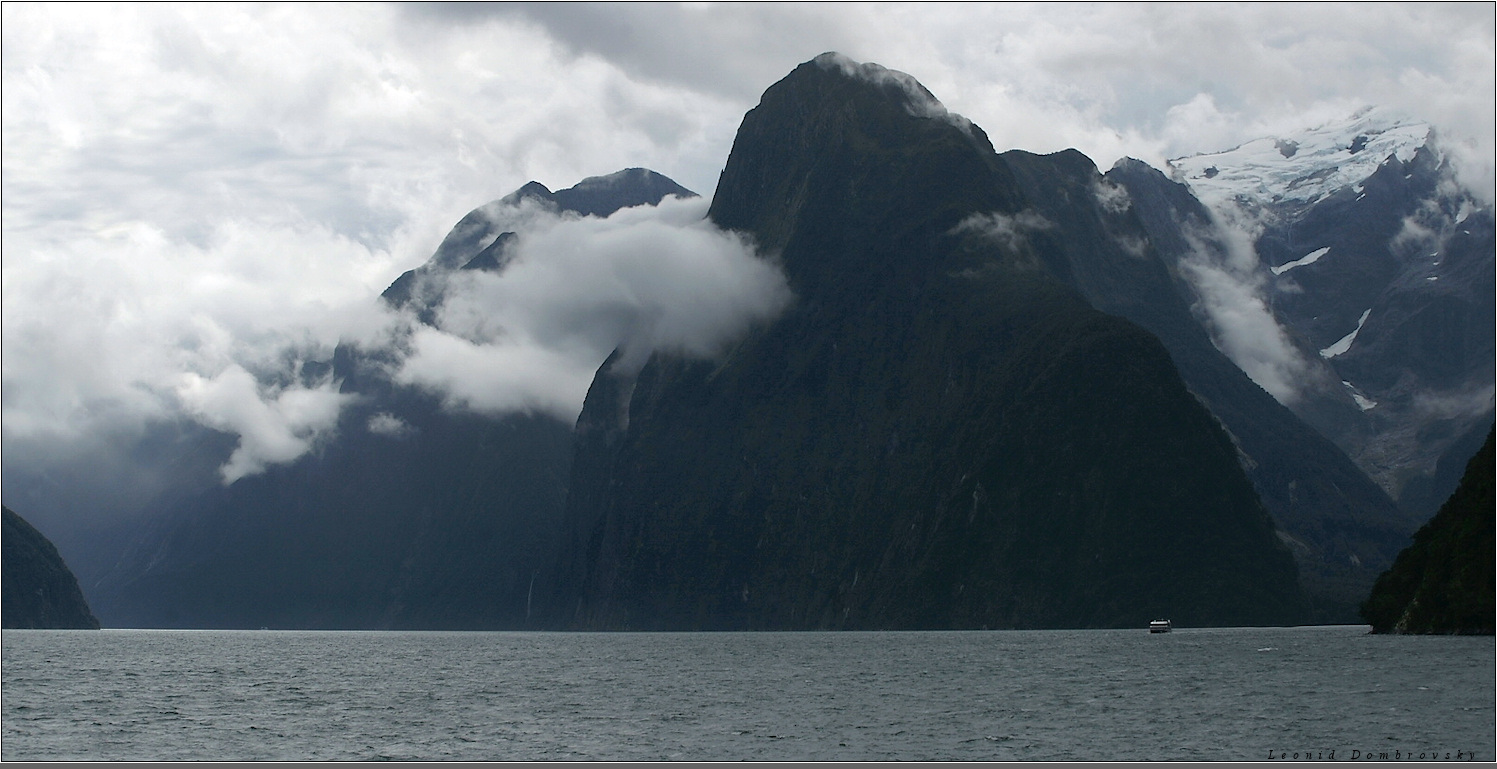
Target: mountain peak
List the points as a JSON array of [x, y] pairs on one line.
[[617, 179], [483, 228], [602, 195], [834, 123], [531, 190], [916, 99], [901, 448], [920, 101]]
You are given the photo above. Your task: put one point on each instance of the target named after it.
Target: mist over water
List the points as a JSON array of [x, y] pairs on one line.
[[1116, 694]]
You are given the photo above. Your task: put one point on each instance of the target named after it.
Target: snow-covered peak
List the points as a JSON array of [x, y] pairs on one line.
[[1306, 166]]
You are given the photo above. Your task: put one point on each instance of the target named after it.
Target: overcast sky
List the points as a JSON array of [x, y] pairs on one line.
[[195, 192]]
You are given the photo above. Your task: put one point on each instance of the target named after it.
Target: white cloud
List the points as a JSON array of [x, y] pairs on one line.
[[1229, 283], [274, 425], [1473, 400], [918, 101], [389, 425], [1113, 198], [188, 189], [1155, 81], [649, 278], [502, 377], [1011, 231], [99, 327]]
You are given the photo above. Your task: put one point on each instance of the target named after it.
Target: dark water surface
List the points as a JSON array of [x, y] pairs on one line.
[[1099, 694]]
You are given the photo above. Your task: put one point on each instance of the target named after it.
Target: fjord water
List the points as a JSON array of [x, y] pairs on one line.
[[1242, 693]]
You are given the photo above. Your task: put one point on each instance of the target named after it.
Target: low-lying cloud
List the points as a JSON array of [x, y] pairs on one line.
[[647, 279], [274, 424], [1009, 231], [101, 326], [1113, 198], [1230, 285], [387, 424], [221, 337]]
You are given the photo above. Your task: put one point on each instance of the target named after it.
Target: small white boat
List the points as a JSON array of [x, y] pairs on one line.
[[1159, 626]]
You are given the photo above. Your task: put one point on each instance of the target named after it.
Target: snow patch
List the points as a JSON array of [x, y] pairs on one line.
[[1363, 402], [1310, 258], [1340, 347]]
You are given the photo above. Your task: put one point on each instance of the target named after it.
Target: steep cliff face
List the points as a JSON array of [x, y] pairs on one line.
[[40, 591], [937, 433], [1444, 582]]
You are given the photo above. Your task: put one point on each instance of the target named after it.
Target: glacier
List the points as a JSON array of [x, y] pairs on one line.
[[1316, 163]]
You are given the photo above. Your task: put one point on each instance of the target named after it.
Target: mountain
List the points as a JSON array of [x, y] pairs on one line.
[[1379, 264], [1444, 581], [1121, 241], [1008, 392], [937, 433], [414, 516], [39, 590]]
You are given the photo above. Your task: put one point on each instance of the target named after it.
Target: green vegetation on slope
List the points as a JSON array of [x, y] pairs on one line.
[[1443, 582]]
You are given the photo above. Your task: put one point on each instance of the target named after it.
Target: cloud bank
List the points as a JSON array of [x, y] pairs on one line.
[[195, 191], [527, 338]]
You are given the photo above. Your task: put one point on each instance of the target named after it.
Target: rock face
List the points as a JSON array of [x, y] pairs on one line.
[[416, 516], [40, 591], [1444, 582], [937, 434]]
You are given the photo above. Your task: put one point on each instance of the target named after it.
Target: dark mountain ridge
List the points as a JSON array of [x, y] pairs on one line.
[[935, 434]]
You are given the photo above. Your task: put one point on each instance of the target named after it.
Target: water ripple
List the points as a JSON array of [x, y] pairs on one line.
[[1047, 695]]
